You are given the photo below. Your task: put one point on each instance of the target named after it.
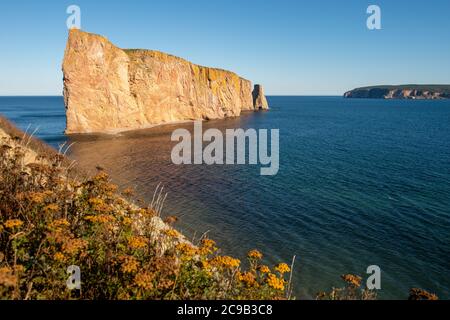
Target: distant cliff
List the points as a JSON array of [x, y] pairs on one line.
[[401, 92], [107, 89]]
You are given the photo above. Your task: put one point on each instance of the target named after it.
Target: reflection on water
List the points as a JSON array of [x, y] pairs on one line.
[[142, 159]]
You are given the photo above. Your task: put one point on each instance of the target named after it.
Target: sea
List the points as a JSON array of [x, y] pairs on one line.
[[360, 183]]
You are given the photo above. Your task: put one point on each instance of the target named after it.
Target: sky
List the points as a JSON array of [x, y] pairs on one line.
[[320, 47]]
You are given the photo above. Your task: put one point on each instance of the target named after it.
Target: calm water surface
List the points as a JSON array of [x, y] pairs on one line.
[[361, 182]]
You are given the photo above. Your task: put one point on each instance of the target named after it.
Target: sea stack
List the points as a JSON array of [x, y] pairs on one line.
[[108, 89], [259, 99]]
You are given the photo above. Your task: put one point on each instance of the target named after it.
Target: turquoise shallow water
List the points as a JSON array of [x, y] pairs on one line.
[[361, 182]]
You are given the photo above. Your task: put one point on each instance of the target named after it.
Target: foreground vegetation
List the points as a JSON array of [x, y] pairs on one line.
[[51, 218]]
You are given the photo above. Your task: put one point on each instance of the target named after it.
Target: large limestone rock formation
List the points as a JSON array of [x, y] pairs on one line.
[[107, 89]]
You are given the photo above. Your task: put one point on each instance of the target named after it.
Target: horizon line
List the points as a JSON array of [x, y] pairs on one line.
[[267, 95]]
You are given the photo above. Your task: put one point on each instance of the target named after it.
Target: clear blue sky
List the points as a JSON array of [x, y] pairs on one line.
[[291, 47]]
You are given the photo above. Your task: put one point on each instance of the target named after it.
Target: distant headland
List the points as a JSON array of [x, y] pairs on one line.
[[107, 89], [408, 91]]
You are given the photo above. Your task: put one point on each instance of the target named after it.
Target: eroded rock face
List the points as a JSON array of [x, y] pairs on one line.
[[259, 99], [107, 89]]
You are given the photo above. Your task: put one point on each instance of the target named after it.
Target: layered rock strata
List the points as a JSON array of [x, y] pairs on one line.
[[107, 89]]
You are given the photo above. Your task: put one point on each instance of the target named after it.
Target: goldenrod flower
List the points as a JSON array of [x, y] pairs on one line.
[[7, 277], [186, 249], [51, 208], [37, 197], [129, 264], [96, 201], [205, 264], [137, 242], [226, 261], [275, 282], [58, 225], [13, 223], [247, 278], [255, 254], [127, 221], [420, 294], [144, 280], [171, 233], [282, 268], [101, 176], [73, 246], [264, 269], [101, 218], [352, 279], [58, 256], [207, 247]]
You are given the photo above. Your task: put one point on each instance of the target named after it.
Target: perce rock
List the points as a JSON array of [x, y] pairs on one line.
[[107, 89]]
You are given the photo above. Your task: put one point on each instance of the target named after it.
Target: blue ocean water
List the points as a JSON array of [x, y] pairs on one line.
[[361, 182]]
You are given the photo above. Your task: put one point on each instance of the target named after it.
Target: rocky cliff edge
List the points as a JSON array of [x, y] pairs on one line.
[[107, 89]]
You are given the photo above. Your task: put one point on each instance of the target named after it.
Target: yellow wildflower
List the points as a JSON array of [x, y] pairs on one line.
[[275, 282], [101, 218], [73, 246], [264, 269], [58, 256], [101, 176], [352, 279], [420, 294], [144, 280], [7, 277], [129, 264], [205, 264], [51, 208], [186, 249], [127, 221], [207, 247], [226, 261], [37, 197], [95, 201], [282, 268], [255, 254], [58, 225], [137, 242], [13, 223], [247, 278], [171, 233]]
